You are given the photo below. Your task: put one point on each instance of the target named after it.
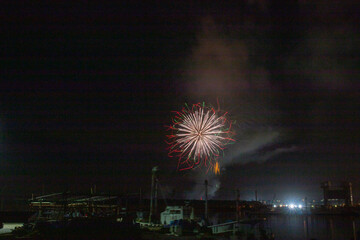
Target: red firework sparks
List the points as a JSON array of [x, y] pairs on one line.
[[198, 136]]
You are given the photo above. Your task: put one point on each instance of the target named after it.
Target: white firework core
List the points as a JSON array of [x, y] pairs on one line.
[[201, 135]]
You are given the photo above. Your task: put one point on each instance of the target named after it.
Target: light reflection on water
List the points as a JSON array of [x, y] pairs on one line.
[[294, 227], [300, 227]]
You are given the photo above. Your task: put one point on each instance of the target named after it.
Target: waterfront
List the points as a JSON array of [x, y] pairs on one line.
[[319, 227], [297, 227]]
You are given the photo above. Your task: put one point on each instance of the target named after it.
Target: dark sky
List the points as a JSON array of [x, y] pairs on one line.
[[86, 90]]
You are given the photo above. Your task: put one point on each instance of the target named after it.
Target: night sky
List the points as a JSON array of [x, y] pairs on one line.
[[87, 89]]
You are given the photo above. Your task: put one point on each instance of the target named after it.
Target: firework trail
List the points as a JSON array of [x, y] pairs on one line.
[[198, 136]]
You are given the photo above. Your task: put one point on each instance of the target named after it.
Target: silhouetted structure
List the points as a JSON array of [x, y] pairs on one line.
[[153, 196], [343, 191]]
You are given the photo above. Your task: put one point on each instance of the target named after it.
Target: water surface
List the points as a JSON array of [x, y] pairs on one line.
[[298, 227]]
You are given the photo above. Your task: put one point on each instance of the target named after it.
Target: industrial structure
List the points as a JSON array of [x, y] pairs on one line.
[[340, 194]]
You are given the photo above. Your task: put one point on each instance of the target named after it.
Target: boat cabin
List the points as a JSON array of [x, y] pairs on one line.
[[171, 214]]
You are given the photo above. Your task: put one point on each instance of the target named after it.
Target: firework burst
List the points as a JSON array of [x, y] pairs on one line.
[[198, 136]]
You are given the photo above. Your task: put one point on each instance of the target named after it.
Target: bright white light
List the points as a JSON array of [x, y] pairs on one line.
[[300, 206], [291, 206], [274, 205]]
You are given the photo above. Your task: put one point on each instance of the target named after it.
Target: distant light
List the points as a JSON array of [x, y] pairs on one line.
[[281, 205], [300, 206], [274, 205], [292, 206], [286, 205]]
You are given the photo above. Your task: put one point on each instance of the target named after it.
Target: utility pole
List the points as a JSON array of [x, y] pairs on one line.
[[156, 196], [237, 204], [140, 200], [255, 195], [154, 170], [206, 200]]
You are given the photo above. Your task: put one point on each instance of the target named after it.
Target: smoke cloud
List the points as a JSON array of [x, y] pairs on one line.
[[295, 93], [219, 68]]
